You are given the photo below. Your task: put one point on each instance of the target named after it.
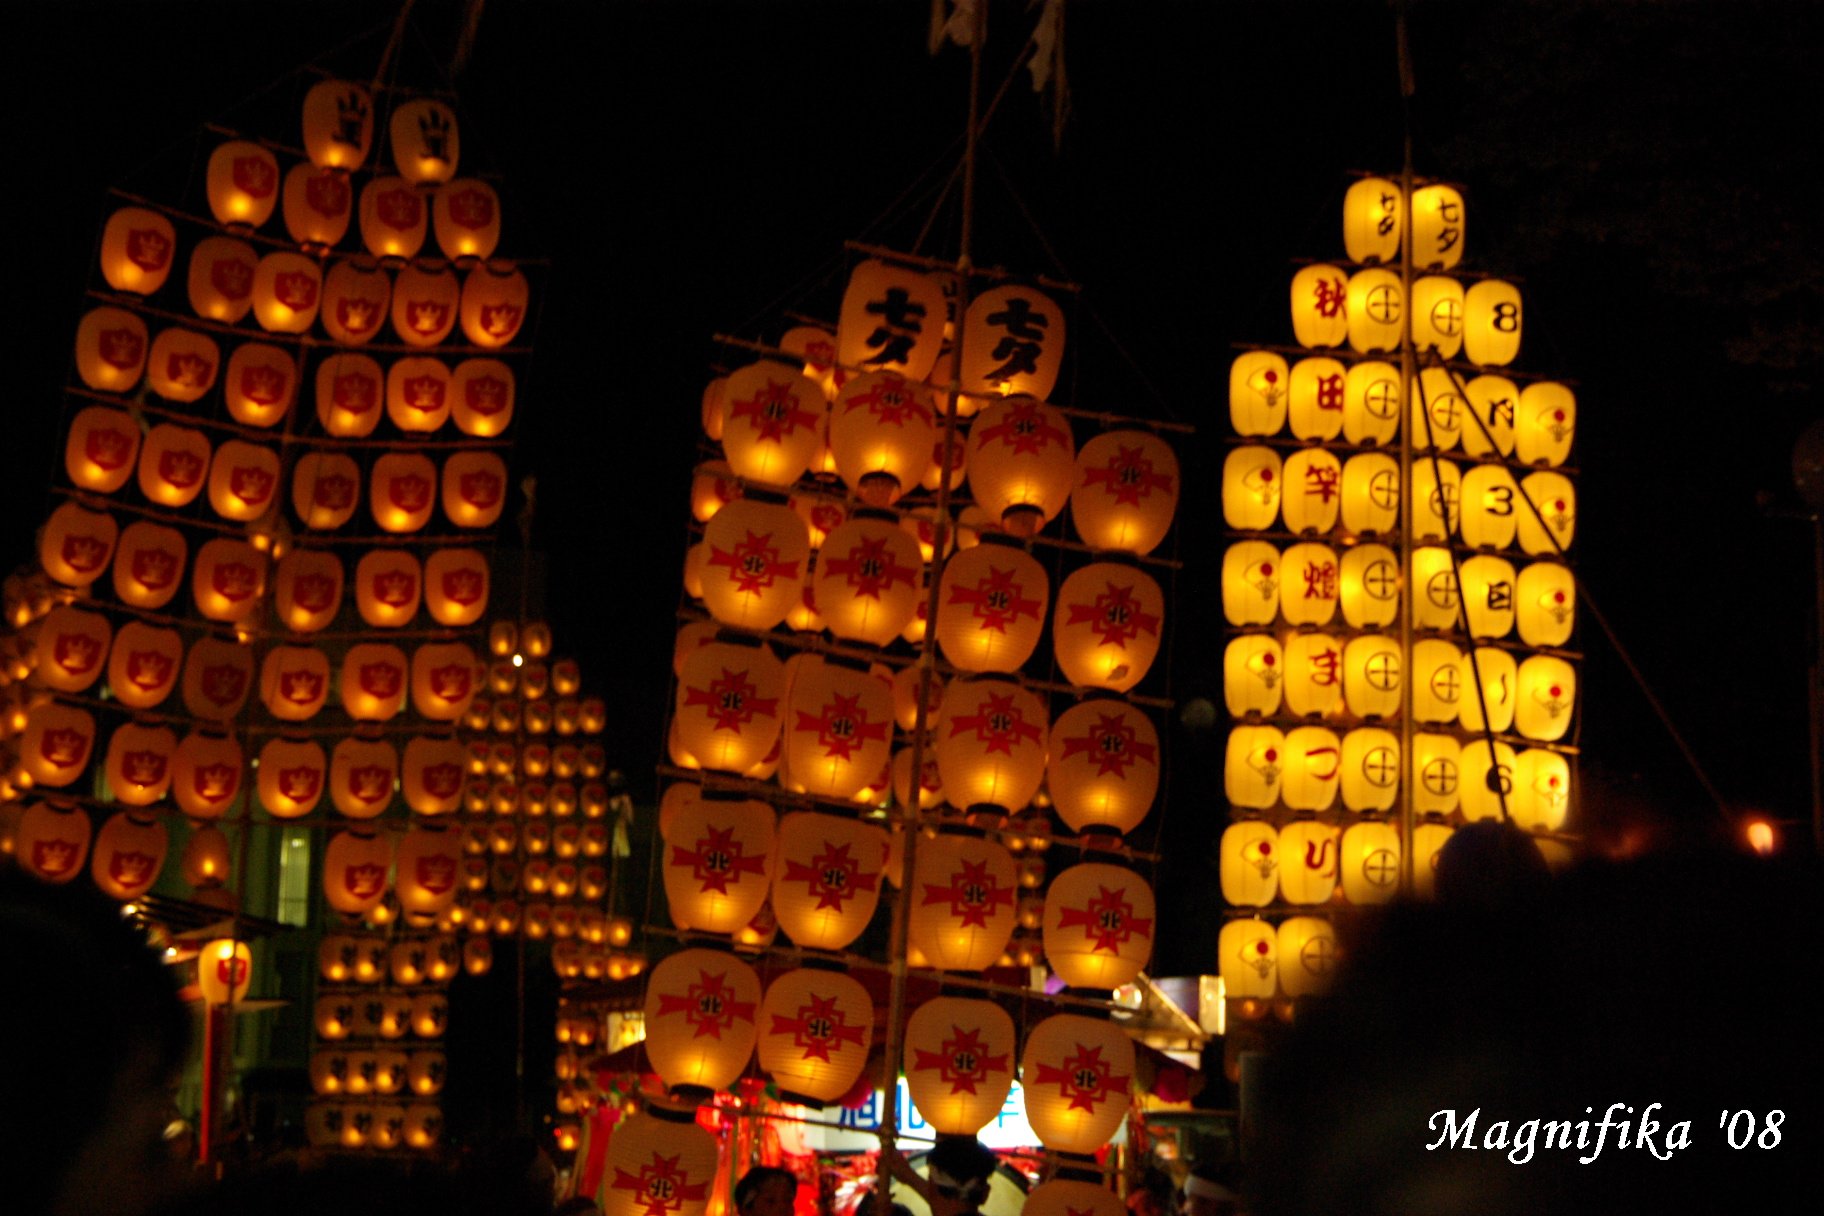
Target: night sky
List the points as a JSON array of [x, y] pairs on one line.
[[1646, 171]]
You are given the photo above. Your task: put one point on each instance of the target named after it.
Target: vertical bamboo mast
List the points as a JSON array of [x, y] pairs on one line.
[[927, 657], [1408, 775]]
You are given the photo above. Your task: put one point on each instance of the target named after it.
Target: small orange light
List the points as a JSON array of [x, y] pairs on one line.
[[1761, 837]]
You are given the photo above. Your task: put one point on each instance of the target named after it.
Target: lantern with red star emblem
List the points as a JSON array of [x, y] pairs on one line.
[[893, 319], [991, 745], [882, 428], [206, 773], [1099, 926], [1013, 342], [143, 664], [659, 1163], [290, 780], [1076, 1072], [355, 867], [772, 422], [755, 563], [815, 1028], [701, 1020], [717, 854], [838, 727], [869, 578], [294, 682], [138, 763], [959, 1063], [101, 450], [1104, 766], [428, 859], [991, 606], [1022, 463], [826, 880], [128, 855], [1106, 630], [728, 705], [964, 893], [1126, 491]]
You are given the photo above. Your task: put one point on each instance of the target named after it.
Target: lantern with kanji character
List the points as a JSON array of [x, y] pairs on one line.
[[495, 301], [481, 397], [349, 390], [1437, 227], [1104, 766], [1126, 491], [991, 747], [52, 842], [138, 763], [76, 544], [964, 896], [1319, 315], [892, 319], [1487, 585], [882, 429], [143, 664], [1308, 859], [456, 586], [838, 727], [1485, 780], [287, 293], [815, 1028], [1371, 676], [443, 680], [1547, 696], [701, 1007], [1545, 424], [1106, 631], [1313, 765], [1248, 863], [242, 480], [308, 589], [228, 579], [1013, 342], [1251, 483], [362, 773], [958, 1064], [101, 449], [867, 581], [402, 491], [474, 489], [1492, 404], [1315, 402], [224, 971], [338, 124], [1372, 213], [387, 587], [72, 648], [1250, 583], [1076, 1072], [217, 677], [728, 705], [110, 349], [1311, 485], [291, 773], [772, 418], [755, 565], [991, 606], [1371, 769], [717, 858], [1546, 604], [316, 204], [1309, 590], [826, 877], [659, 1163], [128, 855], [1099, 926], [1307, 955], [242, 182], [1022, 463], [294, 682], [259, 385], [355, 867], [1376, 307], [1548, 516], [136, 250]]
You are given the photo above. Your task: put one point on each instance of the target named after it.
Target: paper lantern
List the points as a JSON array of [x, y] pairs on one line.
[[754, 570], [1435, 758], [206, 773], [991, 606], [1307, 955], [1126, 491], [495, 302], [1076, 1073], [294, 682], [1319, 315], [1548, 514], [1248, 863], [1369, 501], [430, 1013], [1250, 583], [1428, 841], [474, 489], [1311, 485], [425, 141], [136, 250], [138, 763], [964, 892], [481, 397], [712, 487], [242, 480], [110, 349], [418, 396], [892, 318], [1376, 306], [1309, 590], [219, 282], [1546, 604], [1106, 631], [867, 581], [1437, 487], [771, 416], [242, 183], [443, 680], [1369, 578], [128, 855], [826, 878], [338, 124], [316, 204], [149, 561], [357, 296], [1371, 403], [1104, 766], [1022, 463], [1247, 953], [1434, 579], [1437, 227], [423, 1125], [1490, 507], [1372, 213], [1315, 398], [143, 664], [387, 587], [1253, 673], [659, 1163], [217, 677], [355, 866], [260, 384], [882, 429], [1541, 796], [427, 861], [433, 770], [991, 750], [1253, 766], [1371, 769], [700, 1020], [52, 842], [838, 728], [728, 705], [224, 971], [815, 1029], [1313, 768], [930, 782], [1438, 315], [1439, 412], [466, 217], [456, 586], [349, 393], [1498, 679], [1013, 342], [1437, 681], [308, 589], [100, 451], [1099, 926], [1493, 402], [287, 293], [228, 579], [182, 365], [402, 491], [373, 684], [1371, 863], [1488, 595], [72, 648], [1545, 424], [1547, 697], [1308, 861], [1258, 384], [426, 302], [1491, 322], [1486, 779], [290, 779], [394, 218], [1371, 676], [959, 1063], [1251, 485]]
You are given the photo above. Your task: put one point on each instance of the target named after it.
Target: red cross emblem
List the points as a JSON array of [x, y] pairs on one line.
[[1128, 477], [754, 563], [717, 860], [870, 568], [1115, 616], [819, 1028], [842, 727], [730, 700], [973, 894], [999, 724], [1108, 920], [1084, 1078], [891, 400], [1112, 745], [1024, 429], [962, 1061], [995, 600], [660, 1185], [833, 876], [709, 1006], [774, 411]]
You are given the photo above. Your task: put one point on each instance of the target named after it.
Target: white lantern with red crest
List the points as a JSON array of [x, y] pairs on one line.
[[838, 727], [965, 894], [357, 296], [456, 586], [217, 677], [991, 606], [930, 783], [138, 763], [496, 300], [717, 862], [1104, 766], [220, 279], [882, 428], [755, 563], [432, 774], [1106, 630], [173, 462], [1126, 491], [182, 365], [394, 218], [1100, 925], [294, 682], [991, 750], [893, 319], [418, 393], [443, 680], [373, 685], [143, 664], [481, 397], [148, 565], [111, 349], [826, 877], [224, 971], [1253, 766], [1248, 959], [136, 250], [128, 855], [1076, 1072], [355, 866], [815, 1030], [291, 775], [428, 859], [868, 576], [701, 1007], [474, 489], [350, 390], [1022, 463], [465, 214], [243, 478], [242, 182], [958, 1064], [426, 300], [316, 204], [362, 774], [72, 648], [402, 491], [728, 705], [388, 587], [228, 579], [206, 773], [660, 1163], [287, 293], [260, 384], [101, 449], [772, 420], [52, 842], [308, 589], [1250, 583], [1253, 675]]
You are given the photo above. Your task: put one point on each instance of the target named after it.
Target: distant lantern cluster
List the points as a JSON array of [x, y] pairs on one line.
[[807, 738], [262, 585], [1314, 671]]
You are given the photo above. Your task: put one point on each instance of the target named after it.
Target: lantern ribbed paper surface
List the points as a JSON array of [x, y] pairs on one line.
[[959, 1059], [701, 1011], [1076, 1073]]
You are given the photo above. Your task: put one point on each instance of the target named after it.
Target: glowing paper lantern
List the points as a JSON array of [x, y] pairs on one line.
[[1250, 583], [1013, 342], [1438, 315], [224, 971], [362, 774], [1540, 798], [206, 774], [466, 217], [1493, 402], [387, 587], [394, 218], [481, 397], [964, 910], [991, 606], [427, 862], [138, 763], [443, 680], [1370, 586], [1545, 424], [1308, 862], [1376, 306], [755, 567], [401, 491], [136, 250], [260, 384], [1076, 1072], [349, 390], [1253, 674], [1436, 491], [182, 365], [991, 749], [72, 645], [867, 581], [1490, 507], [425, 141], [1126, 491], [771, 420], [338, 124], [220, 279], [1370, 497], [290, 780], [728, 705], [1254, 764], [433, 770], [1371, 402], [1258, 383], [495, 302], [959, 1063], [1439, 412], [242, 182], [1434, 578], [1309, 590], [287, 293], [294, 682], [1106, 631], [355, 866], [1492, 322], [1248, 863], [826, 879], [1372, 213], [1548, 517], [373, 683], [217, 677], [1547, 697], [357, 297], [717, 863], [1437, 673], [882, 429], [52, 842], [1488, 595], [815, 1029], [1315, 402], [1486, 779], [1099, 926], [228, 579], [148, 565], [1307, 955], [892, 318], [1022, 463], [1319, 315], [1251, 484], [1247, 953], [838, 728], [1371, 676], [426, 302], [1310, 490], [1436, 759], [659, 1163], [143, 664], [1371, 863], [316, 204], [242, 480], [700, 1020], [1371, 769], [456, 586], [1313, 767], [1104, 766], [1437, 227], [128, 855], [308, 589], [110, 349], [1546, 604], [100, 451]]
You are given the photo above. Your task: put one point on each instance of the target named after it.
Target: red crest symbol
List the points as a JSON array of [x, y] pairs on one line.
[[357, 315], [442, 780], [296, 290], [364, 881], [409, 492], [76, 653], [381, 679], [255, 175], [424, 393], [64, 746], [451, 682], [480, 489], [148, 249], [426, 316], [149, 669], [471, 208], [300, 784], [333, 492], [133, 869], [301, 687], [251, 484], [355, 393], [399, 209], [232, 277], [216, 782], [463, 586], [327, 194], [501, 320], [395, 588], [224, 683], [179, 468], [264, 385], [153, 569], [314, 592], [122, 348], [53, 857], [370, 782], [231, 972], [234, 580], [486, 395], [144, 768], [188, 369], [436, 874], [84, 554]]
